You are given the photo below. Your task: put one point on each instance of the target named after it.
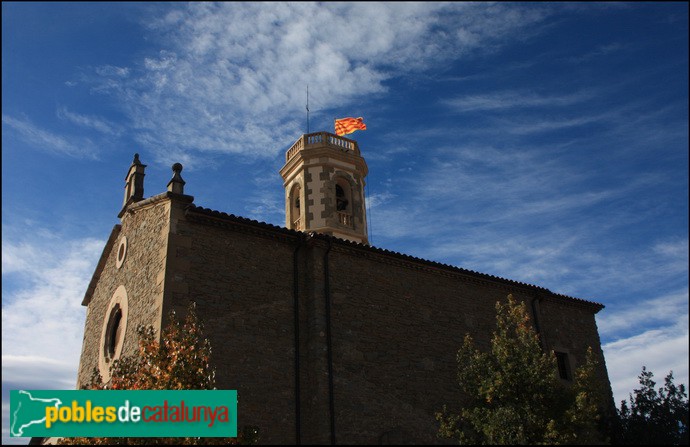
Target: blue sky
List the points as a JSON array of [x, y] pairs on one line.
[[541, 142]]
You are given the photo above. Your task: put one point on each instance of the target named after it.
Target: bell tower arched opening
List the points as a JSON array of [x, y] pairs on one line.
[[343, 202], [295, 209]]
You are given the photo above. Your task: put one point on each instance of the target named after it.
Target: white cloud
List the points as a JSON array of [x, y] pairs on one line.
[[660, 350], [232, 76], [675, 253], [660, 311], [50, 142], [44, 280], [374, 201], [110, 70], [20, 257]]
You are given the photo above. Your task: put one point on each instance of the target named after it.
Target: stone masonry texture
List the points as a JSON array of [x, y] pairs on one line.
[[140, 274]]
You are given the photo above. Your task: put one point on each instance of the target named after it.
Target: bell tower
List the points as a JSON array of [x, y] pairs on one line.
[[324, 187]]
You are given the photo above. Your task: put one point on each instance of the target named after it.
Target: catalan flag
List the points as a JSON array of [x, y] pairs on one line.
[[344, 126]]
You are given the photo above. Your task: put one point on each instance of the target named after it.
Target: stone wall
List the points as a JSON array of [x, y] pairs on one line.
[[571, 329], [141, 273], [242, 285]]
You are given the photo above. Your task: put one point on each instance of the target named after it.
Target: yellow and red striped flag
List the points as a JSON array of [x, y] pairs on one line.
[[344, 126]]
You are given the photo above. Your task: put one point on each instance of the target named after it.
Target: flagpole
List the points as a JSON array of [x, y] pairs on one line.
[[307, 108]]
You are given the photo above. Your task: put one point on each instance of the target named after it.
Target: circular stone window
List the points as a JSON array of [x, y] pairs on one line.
[[121, 252], [113, 332]]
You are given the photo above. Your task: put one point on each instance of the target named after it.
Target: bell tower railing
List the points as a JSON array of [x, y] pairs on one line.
[[321, 139]]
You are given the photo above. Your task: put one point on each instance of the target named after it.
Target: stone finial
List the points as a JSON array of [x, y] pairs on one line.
[[176, 184], [134, 181]]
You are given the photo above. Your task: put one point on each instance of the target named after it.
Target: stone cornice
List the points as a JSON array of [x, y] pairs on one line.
[[136, 206], [242, 224]]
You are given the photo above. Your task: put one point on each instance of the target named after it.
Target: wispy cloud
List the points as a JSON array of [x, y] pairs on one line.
[[46, 141], [91, 122], [110, 70], [266, 207], [217, 87], [542, 124], [376, 200], [659, 311], [599, 51], [675, 249], [513, 99]]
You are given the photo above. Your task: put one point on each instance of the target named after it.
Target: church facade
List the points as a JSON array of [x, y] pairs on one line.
[[326, 338]]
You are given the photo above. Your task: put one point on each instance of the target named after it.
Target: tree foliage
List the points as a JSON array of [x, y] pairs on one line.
[[513, 394], [180, 361], [655, 417]]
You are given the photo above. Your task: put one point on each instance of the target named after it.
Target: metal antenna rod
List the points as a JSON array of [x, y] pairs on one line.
[[307, 108]]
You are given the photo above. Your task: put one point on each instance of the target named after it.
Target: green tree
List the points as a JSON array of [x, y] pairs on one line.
[[589, 418], [180, 361], [655, 417], [513, 394]]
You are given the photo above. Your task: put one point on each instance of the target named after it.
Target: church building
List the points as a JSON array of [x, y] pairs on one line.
[[326, 338]]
